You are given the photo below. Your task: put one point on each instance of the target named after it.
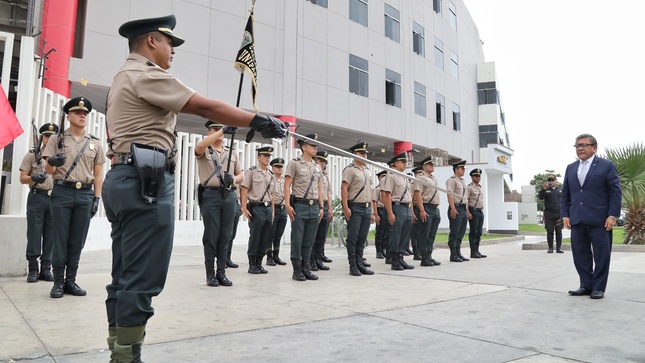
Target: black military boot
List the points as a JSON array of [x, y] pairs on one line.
[[404, 264], [396, 264], [46, 271], [415, 252], [59, 283], [388, 258], [258, 264], [558, 247], [277, 259], [312, 263], [459, 253], [32, 275], [379, 250], [220, 275], [473, 250], [479, 253], [425, 259], [353, 265], [324, 258], [319, 262], [435, 262], [306, 271], [453, 255], [297, 270], [71, 287], [253, 269], [362, 268], [270, 260], [210, 273]]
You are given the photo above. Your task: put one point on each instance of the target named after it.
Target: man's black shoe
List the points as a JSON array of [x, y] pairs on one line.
[[559, 251], [596, 294], [580, 292]]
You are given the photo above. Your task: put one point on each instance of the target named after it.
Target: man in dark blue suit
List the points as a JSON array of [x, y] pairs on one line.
[[591, 202]]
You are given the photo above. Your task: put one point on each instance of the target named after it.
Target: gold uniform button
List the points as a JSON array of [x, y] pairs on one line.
[[79, 185]]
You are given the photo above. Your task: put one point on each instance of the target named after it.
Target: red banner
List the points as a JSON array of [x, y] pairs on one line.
[[10, 127]]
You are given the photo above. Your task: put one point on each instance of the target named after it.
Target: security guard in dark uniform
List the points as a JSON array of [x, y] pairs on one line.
[[380, 217], [317, 252], [551, 194], [414, 233], [217, 199], [279, 214], [39, 218], [476, 209], [75, 159], [426, 208], [142, 106], [397, 198], [458, 214], [357, 209], [256, 198], [303, 183]]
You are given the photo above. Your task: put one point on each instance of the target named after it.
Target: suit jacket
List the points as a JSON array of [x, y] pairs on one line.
[[598, 198]]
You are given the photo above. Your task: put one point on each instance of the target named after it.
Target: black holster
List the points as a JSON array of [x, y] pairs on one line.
[[292, 200], [200, 191], [151, 163]]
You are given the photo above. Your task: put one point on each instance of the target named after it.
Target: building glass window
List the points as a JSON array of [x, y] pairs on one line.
[[358, 76], [392, 88], [456, 117], [452, 15], [420, 99], [438, 53], [454, 66], [418, 39], [440, 109], [486, 93], [392, 26], [358, 11], [436, 6], [322, 3]]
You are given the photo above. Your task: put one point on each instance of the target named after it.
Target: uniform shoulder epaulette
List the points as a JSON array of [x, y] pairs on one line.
[[253, 167], [470, 184], [296, 159], [94, 137]]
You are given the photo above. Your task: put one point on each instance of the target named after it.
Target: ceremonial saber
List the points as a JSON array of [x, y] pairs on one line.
[[367, 161]]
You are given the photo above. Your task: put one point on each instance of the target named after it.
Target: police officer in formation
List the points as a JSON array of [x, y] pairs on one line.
[[256, 198], [355, 192], [75, 159], [414, 233], [279, 214], [216, 199], [39, 218], [476, 209], [321, 234], [458, 214], [397, 196], [426, 209], [141, 119], [551, 194], [380, 217], [303, 182]]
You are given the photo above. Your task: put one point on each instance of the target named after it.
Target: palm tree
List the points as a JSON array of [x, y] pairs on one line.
[[630, 162]]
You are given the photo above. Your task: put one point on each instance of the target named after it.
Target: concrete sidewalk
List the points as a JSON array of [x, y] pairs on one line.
[[511, 306]]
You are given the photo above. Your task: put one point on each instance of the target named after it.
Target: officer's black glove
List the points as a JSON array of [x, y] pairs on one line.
[[229, 130], [39, 178], [269, 127], [228, 180], [57, 160], [95, 205]]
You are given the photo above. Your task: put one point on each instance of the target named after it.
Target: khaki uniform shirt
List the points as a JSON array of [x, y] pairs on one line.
[[428, 193], [399, 186], [84, 170], [457, 186], [278, 191], [301, 173], [376, 196], [258, 182], [142, 105], [326, 187], [475, 196], [356, 178], [206, 167], [31, 167]]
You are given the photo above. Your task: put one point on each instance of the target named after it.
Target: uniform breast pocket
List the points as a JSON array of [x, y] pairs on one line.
[[258, 179], [89, 154]]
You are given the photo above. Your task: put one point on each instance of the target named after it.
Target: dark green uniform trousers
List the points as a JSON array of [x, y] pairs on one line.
[[358, 227], [321, 234], [476, 225], [218, 214], [427, 229], [277, 229], [71, 213], [400, 230], [259, 229], [39, 227], [303, 230], [457, 226], [142, 236], [236, 220], [383, 229]]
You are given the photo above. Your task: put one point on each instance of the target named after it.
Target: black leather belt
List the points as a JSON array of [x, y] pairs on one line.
[[306, 201], [46, 192], [126, 159], [478, 209], [459, 205], [400, 203], [431, 205], [380, 208], [75, 185], [361, 205], [219, 188], [265, 204], [279, 206]]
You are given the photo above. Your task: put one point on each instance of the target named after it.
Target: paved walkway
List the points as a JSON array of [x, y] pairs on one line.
[[509, 307]]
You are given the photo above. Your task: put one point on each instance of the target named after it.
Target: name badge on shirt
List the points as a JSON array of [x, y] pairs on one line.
[[91, 146]]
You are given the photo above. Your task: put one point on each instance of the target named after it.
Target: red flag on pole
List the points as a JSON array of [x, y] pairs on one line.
[[10, 127]]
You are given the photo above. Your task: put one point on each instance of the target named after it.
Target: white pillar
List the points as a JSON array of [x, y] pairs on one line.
[[7, 38]]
